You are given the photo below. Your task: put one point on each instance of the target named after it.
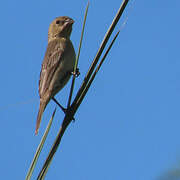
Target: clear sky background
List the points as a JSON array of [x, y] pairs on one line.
[[128, 126]]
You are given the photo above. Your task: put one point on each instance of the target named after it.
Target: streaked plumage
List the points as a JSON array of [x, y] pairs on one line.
[[58, 62]]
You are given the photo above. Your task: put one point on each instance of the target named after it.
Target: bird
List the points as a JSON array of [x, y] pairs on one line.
[[58, 63]]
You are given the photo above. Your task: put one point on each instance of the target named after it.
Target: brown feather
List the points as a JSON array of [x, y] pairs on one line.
[[42, 107]]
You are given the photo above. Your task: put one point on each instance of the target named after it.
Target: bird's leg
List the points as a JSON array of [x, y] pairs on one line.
[[62, 108], [76, 74]]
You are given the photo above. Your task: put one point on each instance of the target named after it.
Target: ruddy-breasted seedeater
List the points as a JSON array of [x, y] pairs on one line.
[[58, 62]]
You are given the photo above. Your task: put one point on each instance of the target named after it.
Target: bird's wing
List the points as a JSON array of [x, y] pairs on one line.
[[53, 56]]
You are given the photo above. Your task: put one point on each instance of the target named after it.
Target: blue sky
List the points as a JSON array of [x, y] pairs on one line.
[[128, 125]]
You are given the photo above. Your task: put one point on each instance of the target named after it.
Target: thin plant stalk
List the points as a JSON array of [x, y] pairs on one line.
[[77, 58], [96, 71], [44, 171], [102, 46], [53, 150], [38, 151], [99, 66]]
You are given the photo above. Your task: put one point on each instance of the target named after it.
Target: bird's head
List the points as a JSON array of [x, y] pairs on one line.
[[60, 27]]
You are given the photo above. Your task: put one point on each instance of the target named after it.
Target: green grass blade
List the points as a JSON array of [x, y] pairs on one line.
[[38, 151], [53, 148], [96, 71], [77, 57], [100, 50]]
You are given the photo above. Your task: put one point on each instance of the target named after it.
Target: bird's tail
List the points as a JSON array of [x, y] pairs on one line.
[[42, 107]]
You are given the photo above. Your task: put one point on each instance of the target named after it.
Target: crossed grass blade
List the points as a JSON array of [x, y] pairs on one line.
[[39, 148], [80, 95]]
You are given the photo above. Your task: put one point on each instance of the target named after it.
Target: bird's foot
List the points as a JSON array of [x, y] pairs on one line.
[[76, 74]]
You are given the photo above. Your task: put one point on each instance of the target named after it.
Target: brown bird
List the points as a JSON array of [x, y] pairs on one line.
[[58, 62]]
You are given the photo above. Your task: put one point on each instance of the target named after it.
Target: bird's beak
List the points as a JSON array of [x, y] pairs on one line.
[[70, 21]]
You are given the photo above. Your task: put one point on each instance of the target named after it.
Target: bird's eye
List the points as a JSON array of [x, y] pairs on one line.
[[59, 22]]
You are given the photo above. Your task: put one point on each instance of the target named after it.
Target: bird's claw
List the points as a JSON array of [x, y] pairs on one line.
[[77, 73]]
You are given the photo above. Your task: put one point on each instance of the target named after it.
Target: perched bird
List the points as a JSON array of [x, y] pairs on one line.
[[58, 62]]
